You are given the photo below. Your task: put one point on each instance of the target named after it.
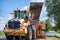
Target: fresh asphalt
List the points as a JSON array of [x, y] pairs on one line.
[[6, 39], [3, 38]]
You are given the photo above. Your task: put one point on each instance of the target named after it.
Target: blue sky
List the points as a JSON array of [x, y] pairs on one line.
[[7, 6]]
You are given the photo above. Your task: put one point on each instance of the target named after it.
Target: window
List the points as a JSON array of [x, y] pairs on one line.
[[17, 14], [22, 14]]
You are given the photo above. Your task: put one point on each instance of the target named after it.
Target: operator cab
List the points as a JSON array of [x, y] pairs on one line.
[[20, 14]]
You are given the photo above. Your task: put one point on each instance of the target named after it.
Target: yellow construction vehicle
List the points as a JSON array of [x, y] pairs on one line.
[[33, 14], [24, 23]]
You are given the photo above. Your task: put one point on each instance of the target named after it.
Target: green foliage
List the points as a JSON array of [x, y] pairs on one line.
[[58, 35], [53, 9], [48, 25], [2, 34], [56, 28]]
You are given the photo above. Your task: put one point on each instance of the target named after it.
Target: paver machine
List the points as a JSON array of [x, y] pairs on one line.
[[35, 10]]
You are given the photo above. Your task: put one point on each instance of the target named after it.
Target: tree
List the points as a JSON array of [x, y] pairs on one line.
[[48, 25], [53, 9]]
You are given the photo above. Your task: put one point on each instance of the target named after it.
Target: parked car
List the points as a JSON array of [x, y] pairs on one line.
[[51, 33]]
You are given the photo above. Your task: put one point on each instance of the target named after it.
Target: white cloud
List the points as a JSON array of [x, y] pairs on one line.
[[1, 21], [43, 12], [37, 0], [1, 18], [24, 8], [43, 15], [10, 16], [43, 19], [1, 29], [2, 25], [52, 24]]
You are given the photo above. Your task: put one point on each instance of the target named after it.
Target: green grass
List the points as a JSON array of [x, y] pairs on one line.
[[2, 34], [52, 38], [58, 35]]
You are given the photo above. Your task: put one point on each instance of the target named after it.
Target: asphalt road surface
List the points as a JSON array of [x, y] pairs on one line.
[[6, 39], [21, 39], [3, 38], [48, 38]]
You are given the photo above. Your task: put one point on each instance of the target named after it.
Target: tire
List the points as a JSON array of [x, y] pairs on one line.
[[8, 37]]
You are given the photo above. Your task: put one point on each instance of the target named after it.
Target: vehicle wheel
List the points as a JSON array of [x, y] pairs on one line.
[[22, 37], [9, 37]]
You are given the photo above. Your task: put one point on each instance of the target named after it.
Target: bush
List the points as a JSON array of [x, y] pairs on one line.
[[2, 34]]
